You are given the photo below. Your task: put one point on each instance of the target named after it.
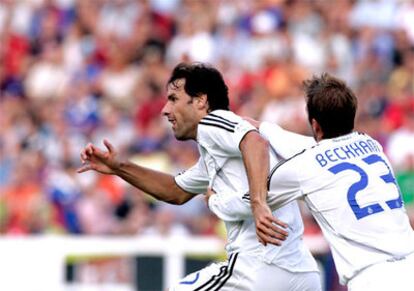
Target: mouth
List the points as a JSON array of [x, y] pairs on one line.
[[173, 123]]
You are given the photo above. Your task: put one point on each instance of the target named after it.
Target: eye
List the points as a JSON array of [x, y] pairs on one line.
[[172, 98]]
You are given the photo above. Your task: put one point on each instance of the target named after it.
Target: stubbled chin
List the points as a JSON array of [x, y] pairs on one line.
[[174, 129], [179, 137]]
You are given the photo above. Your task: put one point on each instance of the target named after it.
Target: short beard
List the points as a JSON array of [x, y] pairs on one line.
[[181, 138]]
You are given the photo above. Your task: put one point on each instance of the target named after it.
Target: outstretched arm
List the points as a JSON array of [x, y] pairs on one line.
[[159, 185]]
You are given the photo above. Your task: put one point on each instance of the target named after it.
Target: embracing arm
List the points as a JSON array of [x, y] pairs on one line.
[[229, 207], [255, 153], [235, 206], [159, 185]]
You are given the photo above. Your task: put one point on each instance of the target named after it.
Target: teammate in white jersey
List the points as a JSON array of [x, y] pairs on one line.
[[233, 157], [349, 186]]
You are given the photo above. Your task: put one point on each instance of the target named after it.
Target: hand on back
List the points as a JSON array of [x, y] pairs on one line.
[[269, 229]]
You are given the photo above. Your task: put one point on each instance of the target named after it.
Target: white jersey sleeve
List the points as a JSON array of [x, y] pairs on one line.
[[195, 179], [222, 131], [285, 186], [230, 207], [235, 206], [285, 143]]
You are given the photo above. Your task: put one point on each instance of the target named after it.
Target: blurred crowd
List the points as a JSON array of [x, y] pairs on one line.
[[73, 72]]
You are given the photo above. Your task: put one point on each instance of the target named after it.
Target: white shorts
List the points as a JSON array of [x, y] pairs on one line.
[[274, 278], [245, 272], [395, 275]]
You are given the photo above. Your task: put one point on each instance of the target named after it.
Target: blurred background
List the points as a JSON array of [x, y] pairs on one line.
[[73, 72]]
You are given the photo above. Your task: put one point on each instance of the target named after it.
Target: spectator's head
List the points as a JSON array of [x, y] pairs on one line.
[[193, 91], [331, 106]]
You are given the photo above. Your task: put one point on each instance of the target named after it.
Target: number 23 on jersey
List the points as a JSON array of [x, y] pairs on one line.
[[359, 186]]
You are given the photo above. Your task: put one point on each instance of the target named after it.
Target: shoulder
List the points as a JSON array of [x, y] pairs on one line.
[[220, 119], [297, 162], [296, 158], [368, 137], [358, 137], [224, 128]]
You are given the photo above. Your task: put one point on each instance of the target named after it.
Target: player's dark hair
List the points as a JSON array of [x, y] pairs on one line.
[[201, 79], [331, 103]]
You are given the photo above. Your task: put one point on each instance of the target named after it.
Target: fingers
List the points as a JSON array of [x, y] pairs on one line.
[[206, 198], [109, 146], [278, 222], [208, 195], [90, 153], [272, 224], [87, 152], [84, 168], [268, 228], [270, 236], [265, 239], [210, 191], [261, 241], [83, 156], [271, 230], [265, 236], [89, 149], [101, 155], [96, 159]]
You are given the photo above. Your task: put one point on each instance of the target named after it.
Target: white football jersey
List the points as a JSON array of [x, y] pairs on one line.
[[348, 185], [221, 167]]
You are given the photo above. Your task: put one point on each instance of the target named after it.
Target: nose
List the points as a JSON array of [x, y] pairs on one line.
[[166, 109]]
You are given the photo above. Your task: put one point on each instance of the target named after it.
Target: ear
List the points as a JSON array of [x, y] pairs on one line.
[[317, 130], [201, 102]]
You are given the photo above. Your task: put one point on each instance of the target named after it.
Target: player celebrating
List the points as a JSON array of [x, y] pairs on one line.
[[233, 157], [348, 184]]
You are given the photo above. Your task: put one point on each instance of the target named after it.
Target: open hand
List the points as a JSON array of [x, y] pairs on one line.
[[101, 161], [268, 228]]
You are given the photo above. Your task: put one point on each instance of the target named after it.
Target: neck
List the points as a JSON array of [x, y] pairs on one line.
[[318, 137], [317, 130], [200, 116]]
